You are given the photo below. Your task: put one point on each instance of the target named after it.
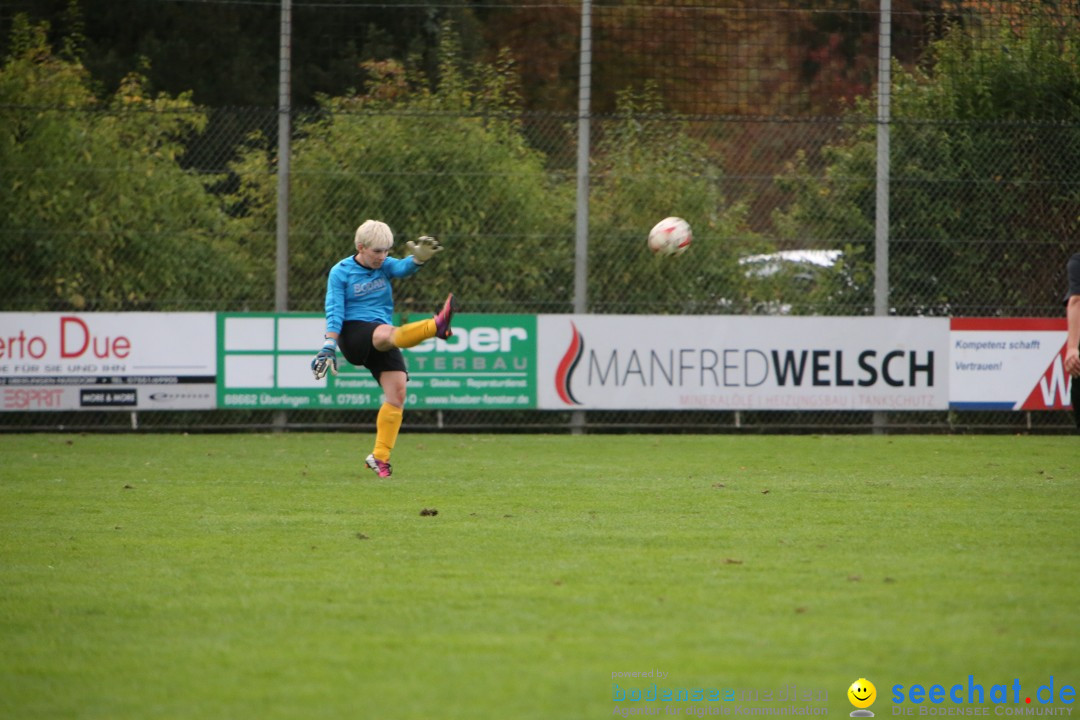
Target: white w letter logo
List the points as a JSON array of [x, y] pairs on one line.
[[1058, 385]]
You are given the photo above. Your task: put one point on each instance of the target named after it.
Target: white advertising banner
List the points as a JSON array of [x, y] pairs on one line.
[[635, 362], [108, 361], [1008, 364]]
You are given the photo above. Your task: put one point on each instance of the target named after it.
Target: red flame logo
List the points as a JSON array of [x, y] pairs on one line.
[[567, 366]]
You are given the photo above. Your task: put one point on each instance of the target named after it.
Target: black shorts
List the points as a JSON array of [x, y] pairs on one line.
[[354, 341]]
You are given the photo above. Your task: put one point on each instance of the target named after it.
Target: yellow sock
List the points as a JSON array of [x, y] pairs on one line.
[[414, 333], [387, 425]]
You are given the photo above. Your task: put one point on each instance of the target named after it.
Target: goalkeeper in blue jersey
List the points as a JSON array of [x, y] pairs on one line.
[[359, 306]]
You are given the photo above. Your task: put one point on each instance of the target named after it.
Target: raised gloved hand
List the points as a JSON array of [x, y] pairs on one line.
[[326, 358], [424, 249]]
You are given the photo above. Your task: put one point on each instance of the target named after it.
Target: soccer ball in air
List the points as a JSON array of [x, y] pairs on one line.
[[671, 236]]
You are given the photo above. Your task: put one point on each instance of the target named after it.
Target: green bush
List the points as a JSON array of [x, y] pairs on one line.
[[96, 212]]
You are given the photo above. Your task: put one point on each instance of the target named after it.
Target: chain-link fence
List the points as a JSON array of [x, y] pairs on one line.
[[758, 122]]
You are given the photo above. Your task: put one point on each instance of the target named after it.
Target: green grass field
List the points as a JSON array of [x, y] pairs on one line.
[[266, 576]]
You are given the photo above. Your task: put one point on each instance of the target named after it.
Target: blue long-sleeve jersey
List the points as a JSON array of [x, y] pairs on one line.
[[355, 292]]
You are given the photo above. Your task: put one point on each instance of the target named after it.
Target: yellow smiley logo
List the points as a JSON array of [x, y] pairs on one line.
[[862, 693]]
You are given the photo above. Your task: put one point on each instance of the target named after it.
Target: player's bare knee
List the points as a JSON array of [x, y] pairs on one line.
[[382, 338]]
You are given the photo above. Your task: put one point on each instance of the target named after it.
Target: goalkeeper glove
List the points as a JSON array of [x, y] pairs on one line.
[[327, 357], [424, 249]]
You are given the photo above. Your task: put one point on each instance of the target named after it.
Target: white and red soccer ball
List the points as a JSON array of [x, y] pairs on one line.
[[670, 237]]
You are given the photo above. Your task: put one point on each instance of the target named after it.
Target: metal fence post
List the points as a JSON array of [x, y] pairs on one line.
[[281, 282], [881, 214], [581, 233], [281, 285]]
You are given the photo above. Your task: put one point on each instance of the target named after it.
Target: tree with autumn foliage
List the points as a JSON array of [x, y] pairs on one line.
[[985, 166]]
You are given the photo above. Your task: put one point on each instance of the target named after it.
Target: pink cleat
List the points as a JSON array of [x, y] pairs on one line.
[[382, 469], [442, 320]]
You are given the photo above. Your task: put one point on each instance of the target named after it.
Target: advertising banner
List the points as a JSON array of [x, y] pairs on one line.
[[196, 361], [1008, 364], [264, 361], [635, 362], [107, 361]]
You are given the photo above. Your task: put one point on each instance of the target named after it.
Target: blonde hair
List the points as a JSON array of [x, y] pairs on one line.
[[374, 235]]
